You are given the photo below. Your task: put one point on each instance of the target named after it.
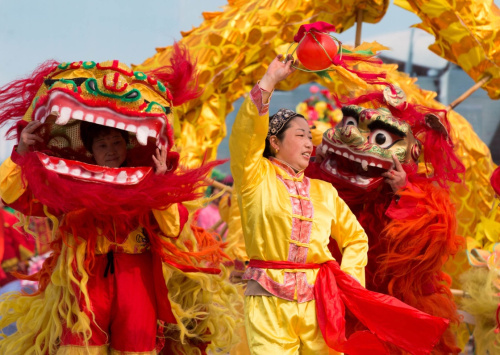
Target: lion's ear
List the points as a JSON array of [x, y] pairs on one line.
[[434, 122]]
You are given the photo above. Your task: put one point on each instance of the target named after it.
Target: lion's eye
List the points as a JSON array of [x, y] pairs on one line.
[[92, 85], [350, 121], [132, 94], [381, 138]]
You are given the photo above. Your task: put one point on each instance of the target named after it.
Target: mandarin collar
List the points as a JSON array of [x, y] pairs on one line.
[[287, 168]]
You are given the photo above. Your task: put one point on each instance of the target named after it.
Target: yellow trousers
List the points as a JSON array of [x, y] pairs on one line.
[[277, 326]]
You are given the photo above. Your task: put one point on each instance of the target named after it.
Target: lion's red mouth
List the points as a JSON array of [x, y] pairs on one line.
[[61, 112], [361, 170], [66, 107], [89, 172]]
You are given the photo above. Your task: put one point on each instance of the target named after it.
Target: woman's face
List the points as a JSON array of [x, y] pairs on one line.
[[296, 146], [109, 149]]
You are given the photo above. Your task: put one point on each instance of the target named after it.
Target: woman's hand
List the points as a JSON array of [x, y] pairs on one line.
[[396, 178], [28, 138], [278, 70], [160, 161]]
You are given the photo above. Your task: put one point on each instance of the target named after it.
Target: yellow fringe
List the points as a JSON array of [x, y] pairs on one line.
[[207, 309], [482, 304], [38, 318]]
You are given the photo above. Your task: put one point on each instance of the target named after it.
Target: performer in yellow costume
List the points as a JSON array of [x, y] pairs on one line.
[[286, 216], [291, 305]]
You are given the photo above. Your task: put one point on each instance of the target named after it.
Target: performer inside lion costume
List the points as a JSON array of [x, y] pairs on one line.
[[411, 227], [125, 274]]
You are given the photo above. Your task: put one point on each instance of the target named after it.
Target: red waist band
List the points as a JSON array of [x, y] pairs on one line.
[[281, 265], [387, 318]]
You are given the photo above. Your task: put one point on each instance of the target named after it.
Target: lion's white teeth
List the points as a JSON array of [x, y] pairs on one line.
[[78, 115], [131, 128], [62, 167], [361, 180], [121, 177], [89, 117], [64, 116], [76, 172], [110, 123], [364, 165], [153, 133], [142, 135]]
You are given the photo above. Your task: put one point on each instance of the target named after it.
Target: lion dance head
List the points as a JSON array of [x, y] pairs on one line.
[[379, 125], [71, 98]]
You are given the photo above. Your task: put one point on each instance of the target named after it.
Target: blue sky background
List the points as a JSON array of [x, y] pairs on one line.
[[32, 32]]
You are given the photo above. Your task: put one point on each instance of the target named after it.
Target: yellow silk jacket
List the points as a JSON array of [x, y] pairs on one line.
[[12, 187], [285, 215]]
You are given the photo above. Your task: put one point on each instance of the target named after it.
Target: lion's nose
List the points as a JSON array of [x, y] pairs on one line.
[[351, 135], [115, 82]]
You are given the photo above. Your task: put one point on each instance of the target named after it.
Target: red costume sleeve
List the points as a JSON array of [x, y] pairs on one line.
[[12, 186]]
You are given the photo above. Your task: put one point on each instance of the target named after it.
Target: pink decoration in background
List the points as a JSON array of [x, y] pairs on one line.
[[314, 89]]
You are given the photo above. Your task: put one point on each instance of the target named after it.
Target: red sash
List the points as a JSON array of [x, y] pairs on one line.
[[387, 318]]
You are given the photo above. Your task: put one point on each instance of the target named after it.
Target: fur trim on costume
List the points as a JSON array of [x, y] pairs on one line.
[[39, 317], [206, 306], [110, 210], [17, 96], [416, 248], [206, 309]]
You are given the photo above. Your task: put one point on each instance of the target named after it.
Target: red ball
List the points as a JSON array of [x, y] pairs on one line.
[[310, 53], [495, 181]]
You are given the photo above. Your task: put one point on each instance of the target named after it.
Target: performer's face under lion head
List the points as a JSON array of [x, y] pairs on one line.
[[360, 148], [77, 97]]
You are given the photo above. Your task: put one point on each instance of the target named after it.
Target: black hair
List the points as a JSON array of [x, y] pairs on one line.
[[281, 134], [89, 131]]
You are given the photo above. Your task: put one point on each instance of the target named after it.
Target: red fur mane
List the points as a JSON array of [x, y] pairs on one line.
[[16, 96], [180, 77]]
